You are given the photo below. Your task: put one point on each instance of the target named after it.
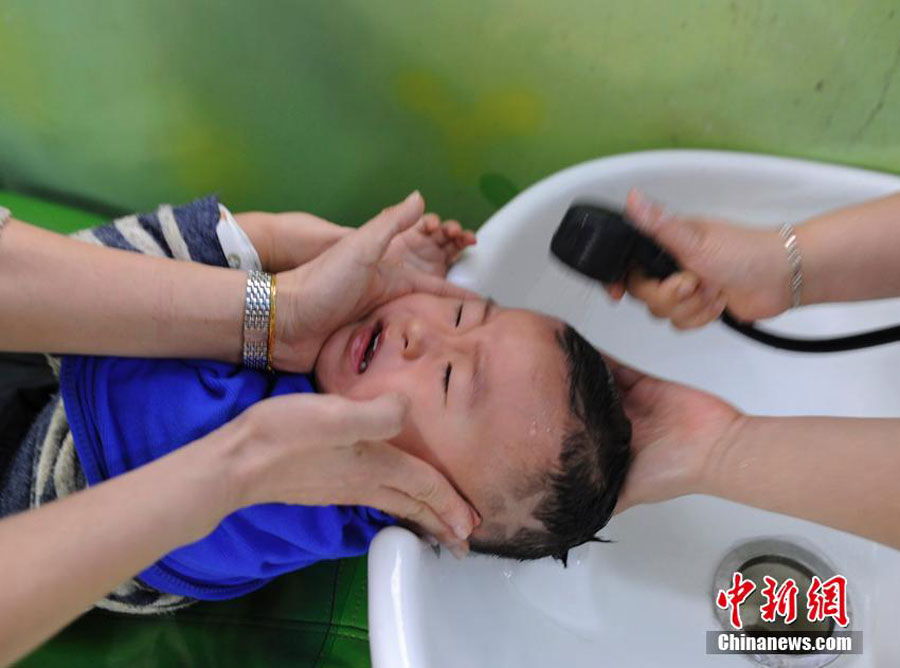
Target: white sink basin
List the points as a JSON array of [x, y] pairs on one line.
[[646, 600]]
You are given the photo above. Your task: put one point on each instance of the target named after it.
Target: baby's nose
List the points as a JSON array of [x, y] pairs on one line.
[[413, 339]]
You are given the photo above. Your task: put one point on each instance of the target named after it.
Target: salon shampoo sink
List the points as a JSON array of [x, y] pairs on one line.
[[646, 599]]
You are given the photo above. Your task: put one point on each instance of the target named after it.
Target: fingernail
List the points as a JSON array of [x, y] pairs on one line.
[[431, 540], [686, 287], [459, 551], [413, 195], [461, 530]]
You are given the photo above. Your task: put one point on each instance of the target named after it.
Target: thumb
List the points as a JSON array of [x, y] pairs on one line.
[[625, 376], [377, 234], [373, 420], [680, 236]]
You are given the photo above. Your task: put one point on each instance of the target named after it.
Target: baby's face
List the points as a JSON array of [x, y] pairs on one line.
[[488, 386]]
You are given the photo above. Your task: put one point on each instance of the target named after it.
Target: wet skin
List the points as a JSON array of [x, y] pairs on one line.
[[488, 389]]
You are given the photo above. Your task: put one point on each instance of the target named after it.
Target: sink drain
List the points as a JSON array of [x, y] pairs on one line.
[[780, 559]]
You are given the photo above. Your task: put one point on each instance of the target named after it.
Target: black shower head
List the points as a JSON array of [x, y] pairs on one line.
[[601, 244]]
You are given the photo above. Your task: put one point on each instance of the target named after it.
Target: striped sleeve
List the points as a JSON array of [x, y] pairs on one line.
[[185, 232]]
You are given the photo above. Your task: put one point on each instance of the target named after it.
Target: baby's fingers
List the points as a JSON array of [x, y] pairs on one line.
[[441, 231], [456, 246], [454, 240], [467, 238], [451, 230], [431, 223]]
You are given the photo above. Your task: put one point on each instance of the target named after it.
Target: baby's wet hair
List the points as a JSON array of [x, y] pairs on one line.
[[580, 493]]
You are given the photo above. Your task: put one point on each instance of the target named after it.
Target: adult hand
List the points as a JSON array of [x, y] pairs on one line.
[[300, 448], [323, 449], [345, 282], [677, 431], [723, 264]]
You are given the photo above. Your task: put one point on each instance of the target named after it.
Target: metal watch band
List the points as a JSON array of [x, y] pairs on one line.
[[5, 215], [257, 307], [795, 261]]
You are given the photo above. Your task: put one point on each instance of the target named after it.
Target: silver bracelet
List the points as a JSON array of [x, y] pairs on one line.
[[795, 261], [5, 215], [257, 309]]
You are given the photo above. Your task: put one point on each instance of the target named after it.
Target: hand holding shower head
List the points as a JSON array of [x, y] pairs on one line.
[[601, 244]]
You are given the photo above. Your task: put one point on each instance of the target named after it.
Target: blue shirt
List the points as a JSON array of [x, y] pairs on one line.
[[126, 412]]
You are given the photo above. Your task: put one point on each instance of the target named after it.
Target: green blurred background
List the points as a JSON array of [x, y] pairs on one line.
[[341, 107]]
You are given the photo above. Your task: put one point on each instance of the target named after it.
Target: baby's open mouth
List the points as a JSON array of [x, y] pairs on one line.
[[371, 348]]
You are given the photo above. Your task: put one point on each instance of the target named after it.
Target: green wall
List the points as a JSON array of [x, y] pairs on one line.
[[341, 107]]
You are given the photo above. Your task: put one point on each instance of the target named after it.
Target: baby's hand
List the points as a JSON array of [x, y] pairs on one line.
[[430, 245]]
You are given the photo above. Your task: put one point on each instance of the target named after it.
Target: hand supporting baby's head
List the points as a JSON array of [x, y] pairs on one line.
[[515, 408]]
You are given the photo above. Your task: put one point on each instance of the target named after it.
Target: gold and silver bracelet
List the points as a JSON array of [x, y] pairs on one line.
[[795, 261], [258, 320], [270, 342]]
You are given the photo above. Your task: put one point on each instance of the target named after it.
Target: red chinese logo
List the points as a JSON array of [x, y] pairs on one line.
[[732, 598], [780, 601], [827, 599], [823, 599]]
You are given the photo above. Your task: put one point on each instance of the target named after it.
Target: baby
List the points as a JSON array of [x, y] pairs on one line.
[[516, 409]]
